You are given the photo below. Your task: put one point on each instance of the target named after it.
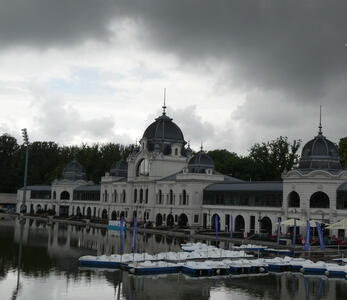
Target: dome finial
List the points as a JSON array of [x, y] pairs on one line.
[[164, 106], [320, 120], [201, 147]]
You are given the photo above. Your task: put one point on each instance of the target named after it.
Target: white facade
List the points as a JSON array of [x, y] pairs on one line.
[[163, 183]]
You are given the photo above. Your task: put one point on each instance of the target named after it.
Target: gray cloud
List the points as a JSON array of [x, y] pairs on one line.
[[58, 121], [286, 56], [295, 45], [42, 23]]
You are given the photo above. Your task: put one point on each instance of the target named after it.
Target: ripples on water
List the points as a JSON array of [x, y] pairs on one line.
[[49, 270]]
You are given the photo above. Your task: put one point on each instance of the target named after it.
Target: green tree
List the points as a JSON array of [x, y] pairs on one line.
[[273, 157], [9, 176], [343, 151]]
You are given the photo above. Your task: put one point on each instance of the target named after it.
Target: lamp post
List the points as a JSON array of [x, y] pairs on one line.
[[23, 208]]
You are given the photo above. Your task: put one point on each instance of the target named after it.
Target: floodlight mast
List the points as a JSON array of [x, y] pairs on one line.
[[23, 208]]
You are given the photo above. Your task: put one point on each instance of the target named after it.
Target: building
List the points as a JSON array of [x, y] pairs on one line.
[[163, 182]]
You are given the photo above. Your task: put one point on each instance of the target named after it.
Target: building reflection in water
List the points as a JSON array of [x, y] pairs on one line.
[[63, 244]]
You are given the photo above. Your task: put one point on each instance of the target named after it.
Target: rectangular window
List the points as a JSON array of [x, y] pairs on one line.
[[196, 218], [252, 227]]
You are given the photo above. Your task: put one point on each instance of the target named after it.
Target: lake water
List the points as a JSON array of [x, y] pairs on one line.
[[49, 270]]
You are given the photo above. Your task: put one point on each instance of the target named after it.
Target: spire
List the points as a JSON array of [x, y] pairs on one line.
[[320, 120], [201, 147], [164, 106]]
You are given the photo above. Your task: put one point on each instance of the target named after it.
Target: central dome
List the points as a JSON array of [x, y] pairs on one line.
[[163, 129], [320, 153]]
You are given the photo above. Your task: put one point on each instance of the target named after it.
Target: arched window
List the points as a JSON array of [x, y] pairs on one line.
[[293, 199], [158, 220], [124, 196], [141, 195], [89, 212], [319, 200], [266, 225], [115, 195], [184, 197], [54, 195], [341, 202], [105, 196], [135, 195], [160, 197], [146, 196], [65, 195], [239, 224], [142, 168], [171, 197], [176, 151]]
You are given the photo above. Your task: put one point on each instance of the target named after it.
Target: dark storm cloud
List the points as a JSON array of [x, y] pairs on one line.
[[293, 45], [50, 23], [287, 54]]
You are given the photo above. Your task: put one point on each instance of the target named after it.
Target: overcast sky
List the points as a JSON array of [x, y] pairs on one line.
[[236, 72]]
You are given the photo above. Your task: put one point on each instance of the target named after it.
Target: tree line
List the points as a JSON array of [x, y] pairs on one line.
[[264, 162], [48, 159]]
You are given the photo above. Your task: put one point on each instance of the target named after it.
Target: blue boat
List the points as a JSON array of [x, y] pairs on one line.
[[318, 268], [91, 261], [336, 271], [198, 269], [152, 268]]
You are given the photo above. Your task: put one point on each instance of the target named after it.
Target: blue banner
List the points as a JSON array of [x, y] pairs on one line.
[[320, 289], [121, 234], [278, 232], [231, 227], [307, 289], [307, 238], [320, 235], [294, 234], [216, 224], [133, 241]]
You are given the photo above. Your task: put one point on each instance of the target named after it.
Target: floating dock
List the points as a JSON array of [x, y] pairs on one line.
[[200, 260]]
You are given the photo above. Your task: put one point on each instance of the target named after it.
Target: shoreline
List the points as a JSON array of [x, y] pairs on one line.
[[190, 234]]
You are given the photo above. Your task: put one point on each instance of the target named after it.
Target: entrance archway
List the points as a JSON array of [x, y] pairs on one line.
[[159, 220], [78, 212], [89, 212], [293, 199], [266, 225], [182, 220], [170, 220], [104, 214], [239, 224], [114, 215], [319, 200], [213, 222]]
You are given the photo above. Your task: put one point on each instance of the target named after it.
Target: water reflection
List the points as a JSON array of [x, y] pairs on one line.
[[19, 264], [38, 256]]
